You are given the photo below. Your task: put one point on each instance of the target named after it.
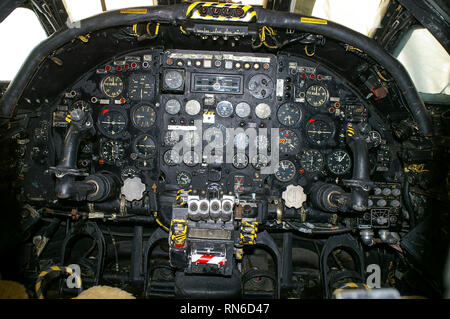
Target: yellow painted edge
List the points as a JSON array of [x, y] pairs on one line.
[[313, 20]]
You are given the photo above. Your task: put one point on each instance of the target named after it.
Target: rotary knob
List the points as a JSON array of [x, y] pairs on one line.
[[133, 189], [293, 196]]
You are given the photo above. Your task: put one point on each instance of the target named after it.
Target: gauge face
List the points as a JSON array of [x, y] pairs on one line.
[[191, 158], [319, 131], [289, 114], [262, 142], [262, 111], [216, 135], [173, 79], [259, 161], [224, 109], [82, 105], [112, 122], [171, 158], [112, 151], [183, 179], [112, 86], [240, 161], [243, 109], [241, 141], [173, 106], [260, 86], [316, 95], [141, 87], [191, 138], [216, 83], [374, 139], [239, 183], [143, 116], [339, 162], [285, 171], [144, 146], [171, 138], [192, 107], [311, 161], [289, 141], [129, 172]]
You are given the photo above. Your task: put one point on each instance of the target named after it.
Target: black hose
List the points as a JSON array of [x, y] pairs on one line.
[[407, 200]]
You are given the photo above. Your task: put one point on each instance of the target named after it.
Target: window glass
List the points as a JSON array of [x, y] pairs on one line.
[[20, 32], [427, 62]]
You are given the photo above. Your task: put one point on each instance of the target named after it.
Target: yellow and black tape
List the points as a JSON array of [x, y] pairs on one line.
[[53, 269], [249, 232], [178, 231], [350, 130], [248, 12], [351, 285]]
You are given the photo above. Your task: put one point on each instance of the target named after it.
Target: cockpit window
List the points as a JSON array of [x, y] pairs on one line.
[[427, 62], [20, 33]]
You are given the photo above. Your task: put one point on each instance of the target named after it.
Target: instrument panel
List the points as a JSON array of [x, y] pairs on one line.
[[185, 119]]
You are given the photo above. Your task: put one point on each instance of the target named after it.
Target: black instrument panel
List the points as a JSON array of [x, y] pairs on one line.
[[148, 103]]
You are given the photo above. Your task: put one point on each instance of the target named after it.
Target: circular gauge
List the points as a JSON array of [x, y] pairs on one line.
[[259, 161], [316, 95], [285, 171], [112, 121], [144, 146], [82, 105], [289, 114], [191, 138], [262, 142], [289, 141], [141, 87], [339, 162], [143, 116], [240, 161], [171, 138], [319, 131], [374, 139], [260, 86], [224, 109], [243, 109], [173, 79], [112, 86], [112, 151], [241, 141], [171, 158], [216, 135], [311, 161], [173, 106], [129, 172], [183, 179], [262, 111], [192, 107], [191, 158]]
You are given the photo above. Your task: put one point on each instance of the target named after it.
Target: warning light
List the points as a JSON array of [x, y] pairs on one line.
[[301, 171], [119, 68], [312, 76], [311, 120], [105, 111], [126, 66], [108, 68], [133, 65], [122, 100]]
